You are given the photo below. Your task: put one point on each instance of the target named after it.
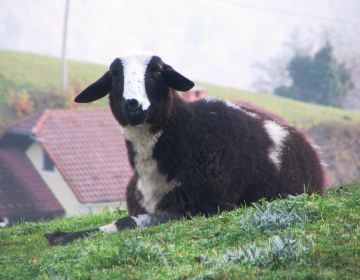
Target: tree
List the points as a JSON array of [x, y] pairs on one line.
[[319, 79], [269, 75]]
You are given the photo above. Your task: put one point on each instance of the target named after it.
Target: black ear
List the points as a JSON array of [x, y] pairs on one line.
[[96, 90], [176, 81]]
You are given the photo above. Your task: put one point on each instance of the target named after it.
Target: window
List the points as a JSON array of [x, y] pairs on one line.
[[47, 163]]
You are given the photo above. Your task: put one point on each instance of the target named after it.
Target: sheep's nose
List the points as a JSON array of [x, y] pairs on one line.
[[132, 105]]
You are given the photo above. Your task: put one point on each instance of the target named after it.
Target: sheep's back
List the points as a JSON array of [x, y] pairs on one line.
[[221, 157]]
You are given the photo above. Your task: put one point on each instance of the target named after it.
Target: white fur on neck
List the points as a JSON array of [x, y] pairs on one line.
[[135, 64], [152, 184]]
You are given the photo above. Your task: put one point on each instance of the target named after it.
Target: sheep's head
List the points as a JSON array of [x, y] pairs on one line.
[[139, 84]]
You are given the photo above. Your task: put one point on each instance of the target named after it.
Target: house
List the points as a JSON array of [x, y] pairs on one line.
[[23, 193], [62, 162]]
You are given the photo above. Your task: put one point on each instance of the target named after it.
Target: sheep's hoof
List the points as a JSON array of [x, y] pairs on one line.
[[55, 238]]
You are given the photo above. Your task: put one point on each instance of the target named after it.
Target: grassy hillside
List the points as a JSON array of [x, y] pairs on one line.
[[40, 76], [37, 73], [295, 112], [304, 237]]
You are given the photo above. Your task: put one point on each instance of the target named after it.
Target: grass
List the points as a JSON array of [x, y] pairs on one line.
[[42, 73], [295, 112], [304, 237]]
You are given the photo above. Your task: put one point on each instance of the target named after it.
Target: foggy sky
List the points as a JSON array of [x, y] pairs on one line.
[[213, 41]]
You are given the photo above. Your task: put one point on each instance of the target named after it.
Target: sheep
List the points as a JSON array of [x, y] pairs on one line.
[[194, 158]]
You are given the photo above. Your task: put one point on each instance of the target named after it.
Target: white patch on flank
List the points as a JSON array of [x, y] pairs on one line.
[[109, 228], [135, 64], [152, 184], [278, 135], [142, 220], [231, 105], [210, 99]]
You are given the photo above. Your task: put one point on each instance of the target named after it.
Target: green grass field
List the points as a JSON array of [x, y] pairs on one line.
[[40, 74], [295, 112], [35, 72], [304, 237]]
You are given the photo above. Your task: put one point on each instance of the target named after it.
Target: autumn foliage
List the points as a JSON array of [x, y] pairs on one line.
[[21, 103]]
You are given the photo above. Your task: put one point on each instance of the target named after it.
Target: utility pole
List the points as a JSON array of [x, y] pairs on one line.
[[64, 64]]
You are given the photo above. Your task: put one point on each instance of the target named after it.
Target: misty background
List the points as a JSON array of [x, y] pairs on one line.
[[223, 42]]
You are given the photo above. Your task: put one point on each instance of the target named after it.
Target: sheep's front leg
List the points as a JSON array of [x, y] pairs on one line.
[[62, 238], [138, 221]]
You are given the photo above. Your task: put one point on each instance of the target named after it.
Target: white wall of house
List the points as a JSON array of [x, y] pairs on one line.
[[60, 188], [55, 182]]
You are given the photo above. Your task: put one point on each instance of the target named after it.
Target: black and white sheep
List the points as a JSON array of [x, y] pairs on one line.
[[194, 158]]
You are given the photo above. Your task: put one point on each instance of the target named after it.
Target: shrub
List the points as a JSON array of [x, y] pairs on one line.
[[321, 79], [21, 103]]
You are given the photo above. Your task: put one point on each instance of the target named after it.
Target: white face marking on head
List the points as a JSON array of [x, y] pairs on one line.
[[278, 135], [109, 228], [135, 64]]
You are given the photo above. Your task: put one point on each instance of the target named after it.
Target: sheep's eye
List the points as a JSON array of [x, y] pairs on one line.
[[114, 73], [157, 70]]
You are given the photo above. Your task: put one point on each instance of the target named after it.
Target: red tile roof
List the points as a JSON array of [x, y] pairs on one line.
[[88, 149], [26, 124], [22, 190]]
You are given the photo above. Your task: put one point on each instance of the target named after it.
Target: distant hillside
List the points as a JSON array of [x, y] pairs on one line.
[[37, 72], [295, 112], [40, 76], [33, 81]]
